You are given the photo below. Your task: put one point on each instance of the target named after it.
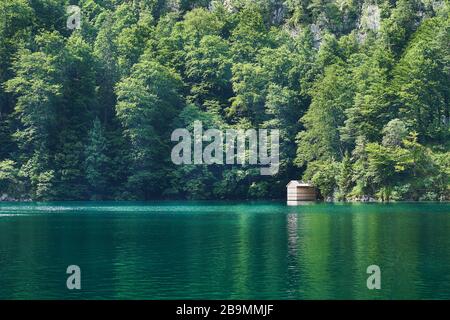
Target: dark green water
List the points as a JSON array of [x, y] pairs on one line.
[[185, 250]]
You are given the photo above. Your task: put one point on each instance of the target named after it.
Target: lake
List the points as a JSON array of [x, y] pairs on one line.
[[224, 250]]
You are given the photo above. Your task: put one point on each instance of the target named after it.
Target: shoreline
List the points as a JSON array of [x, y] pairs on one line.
[[224, 201]]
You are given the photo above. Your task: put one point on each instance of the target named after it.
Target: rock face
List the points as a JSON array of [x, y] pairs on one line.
[[370, 21], [317, 35], [372, 17]]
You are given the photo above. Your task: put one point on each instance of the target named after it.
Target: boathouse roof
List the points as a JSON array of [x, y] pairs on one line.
[[297, 183]]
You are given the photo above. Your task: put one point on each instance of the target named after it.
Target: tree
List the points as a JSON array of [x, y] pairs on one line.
[[382, 170], [421, 82], [208, 71], [360, 170], [97, 162], [10, 180], [148, 101], [38, 91], [79, 108], [249, 35], [331, 96], [323, 175], [372, 107], [15, 27], [394, 133], [249, 84], [401, 25], [344, 178]]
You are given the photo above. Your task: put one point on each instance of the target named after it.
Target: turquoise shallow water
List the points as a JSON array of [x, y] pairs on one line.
[[211, 250]]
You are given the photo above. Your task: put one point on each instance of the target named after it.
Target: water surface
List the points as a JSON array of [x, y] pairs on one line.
[[211, 250]]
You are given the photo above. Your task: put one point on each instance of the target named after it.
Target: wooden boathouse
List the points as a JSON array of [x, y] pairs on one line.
[[298, 191]]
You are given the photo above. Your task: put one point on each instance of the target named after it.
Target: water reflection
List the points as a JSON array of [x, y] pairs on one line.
[[220, 251]]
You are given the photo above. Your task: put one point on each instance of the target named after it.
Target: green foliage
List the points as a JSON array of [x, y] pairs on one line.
[[344, 178], [97, 161], [421, 81], [208, 71], [332, 95], [358, 90], [148, 102], [323, 175], [10, 181], [394, 133]]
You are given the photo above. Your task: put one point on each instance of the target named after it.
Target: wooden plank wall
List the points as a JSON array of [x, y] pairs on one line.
[[301, 194]]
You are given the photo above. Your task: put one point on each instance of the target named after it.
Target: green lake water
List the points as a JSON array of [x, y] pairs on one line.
[[213, 250]]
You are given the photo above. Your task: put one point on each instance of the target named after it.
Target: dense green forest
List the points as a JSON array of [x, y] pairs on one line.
[[359, 89]]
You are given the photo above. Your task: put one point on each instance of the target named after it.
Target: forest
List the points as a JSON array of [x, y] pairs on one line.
[[359, 90]]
